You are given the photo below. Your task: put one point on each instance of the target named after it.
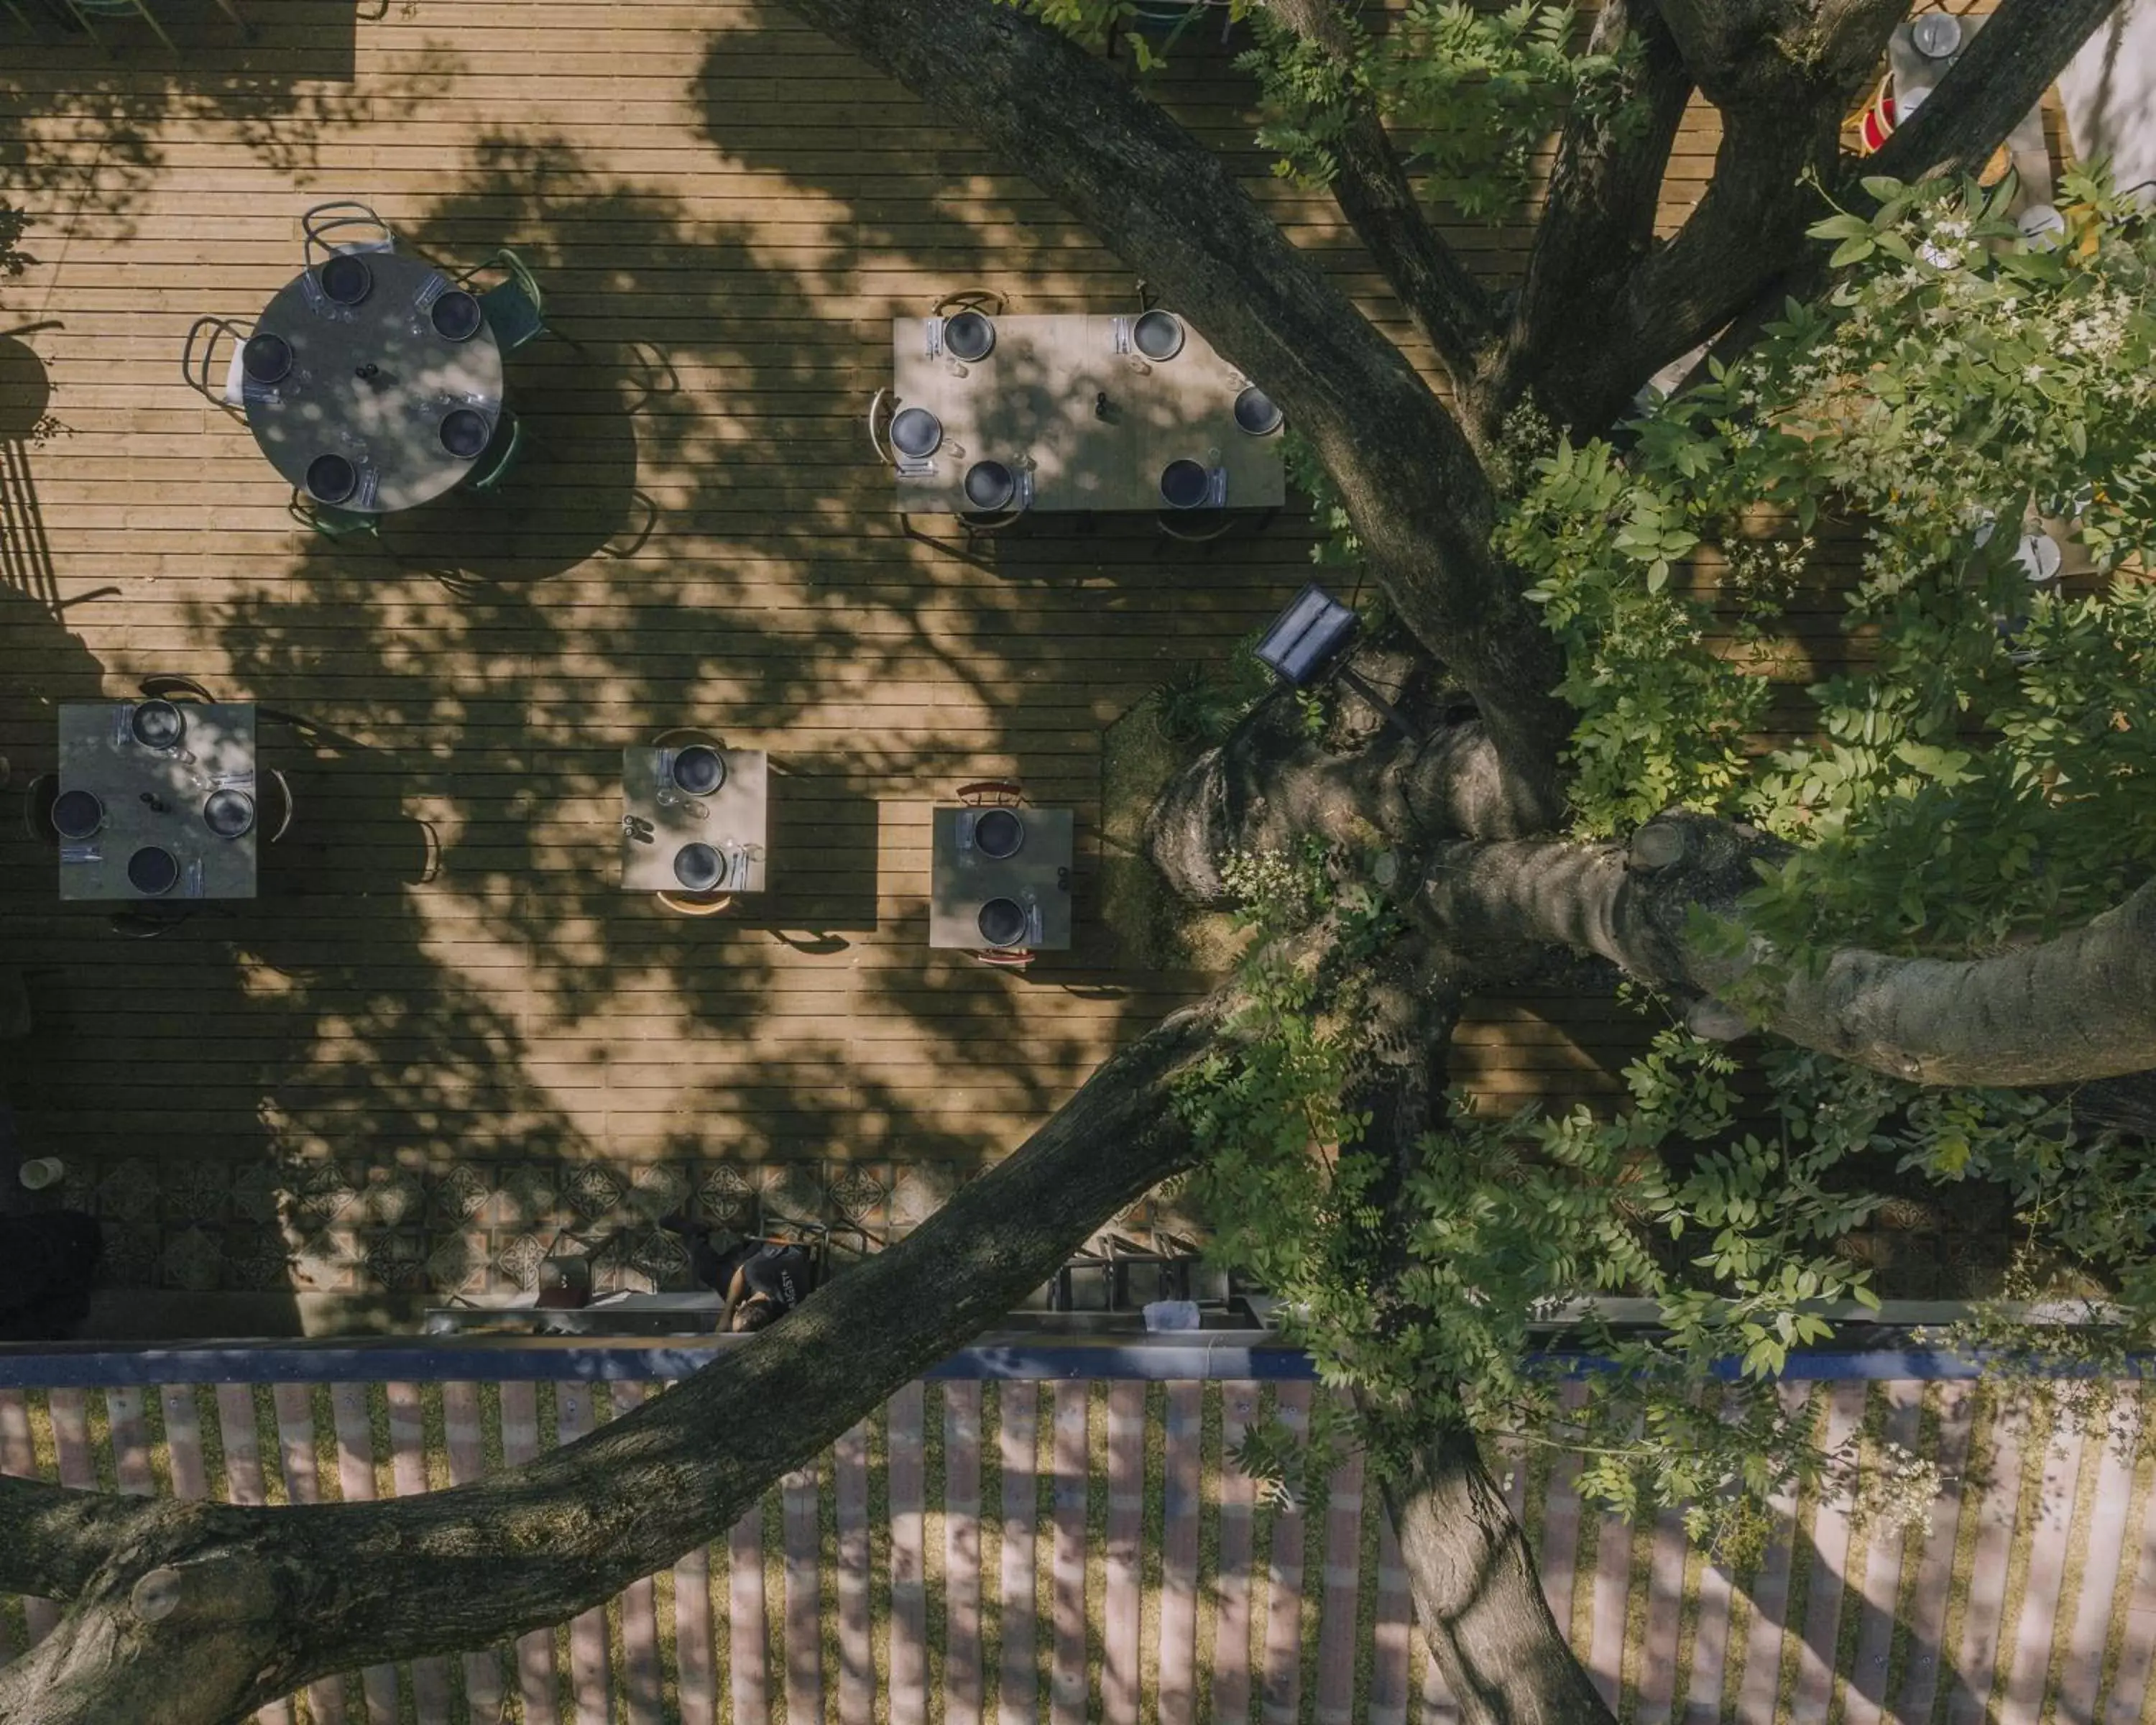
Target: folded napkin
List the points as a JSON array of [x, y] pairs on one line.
[[81, 853], [912, 468], [431, 290]]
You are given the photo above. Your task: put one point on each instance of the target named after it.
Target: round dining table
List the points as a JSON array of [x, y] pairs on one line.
[[372, 383]]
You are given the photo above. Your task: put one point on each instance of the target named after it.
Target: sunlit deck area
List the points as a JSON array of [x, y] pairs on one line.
[[443, 1039]]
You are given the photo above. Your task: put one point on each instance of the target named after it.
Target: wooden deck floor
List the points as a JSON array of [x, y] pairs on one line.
[[726, 211]]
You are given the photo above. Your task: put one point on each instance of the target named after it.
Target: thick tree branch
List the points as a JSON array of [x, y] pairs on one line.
[[2082, 1006], [2001, 75], [268, 1599], [53, 1540], [1782, 72], [1477, 1596], [1372, 188], [1406, 476], [1605, 193]]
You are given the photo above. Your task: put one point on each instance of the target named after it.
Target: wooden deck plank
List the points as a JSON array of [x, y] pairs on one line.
[[300, 1463], [1612, 1596], [1176, 1653], [749, 1687], [1336, 1648], [1968, 1702], [1557, 1553], [353, 1424], [907, 1677], [1391, 1630], [641, 1680], [1122, 1603], [962, 1552], [1656, 1684], [1927, 1615], [1231, 1611], [591, 1673], [1881, 1589], [2128, 1695], [1018, 1437], [696, 1676], [799, 1500], [857, 1670], [1824, 1593], [183, 1440], [18, 1456], [130, 1438], [2111, 1499], [1281, 1694], [2051, 1518], [1760, 1687], [536, 1681], [464, 1438], [1066, 1663], [243, 1484], [408, 1473]]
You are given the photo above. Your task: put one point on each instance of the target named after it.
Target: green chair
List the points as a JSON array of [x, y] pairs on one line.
[[516, 309], [332, 522], [87, 11], [493, 464]]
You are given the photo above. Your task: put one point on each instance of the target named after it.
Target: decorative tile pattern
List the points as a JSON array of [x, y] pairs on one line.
[[477, 1229]]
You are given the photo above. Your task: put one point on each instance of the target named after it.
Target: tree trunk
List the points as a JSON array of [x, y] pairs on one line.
[[1478, 1598]]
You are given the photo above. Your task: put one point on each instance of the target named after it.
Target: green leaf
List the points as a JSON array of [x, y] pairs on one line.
[[1852, 251]]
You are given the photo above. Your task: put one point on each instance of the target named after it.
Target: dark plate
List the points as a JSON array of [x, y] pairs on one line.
[[998, 833], [990, 485], [969, 336], [346, 278], [228, 814], [78, 815], [700, 769], [456, 315], [153, 871], [158, 724], [698, 867], [332, 479], [915, 432], [265, 358], [1255, 411], [1185, 484], [465, 432], [1158, 334], [1002, 922]]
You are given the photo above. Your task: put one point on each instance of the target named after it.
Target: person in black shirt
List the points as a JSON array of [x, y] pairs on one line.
[[760, 1280]]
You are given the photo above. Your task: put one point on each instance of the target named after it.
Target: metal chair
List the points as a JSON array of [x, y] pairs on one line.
[[1220, 524], [695, 903], [199, 368], [493, 463], [883, 408], [682, 737], [281, 807], [993, 793], [175, 687], [516, 309], [38, 799], [356, 226], [331, 521], [84, 10], [983, 299]]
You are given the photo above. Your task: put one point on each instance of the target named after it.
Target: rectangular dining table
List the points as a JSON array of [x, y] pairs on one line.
[[961, 880], [1091, 428], [153, 796], [652, 831]]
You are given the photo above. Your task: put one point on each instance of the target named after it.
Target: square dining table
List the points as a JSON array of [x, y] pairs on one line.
[[153, 796], [961, 880], [736, 816]]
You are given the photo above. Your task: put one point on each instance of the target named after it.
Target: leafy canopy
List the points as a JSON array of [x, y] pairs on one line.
[[1978, 772]]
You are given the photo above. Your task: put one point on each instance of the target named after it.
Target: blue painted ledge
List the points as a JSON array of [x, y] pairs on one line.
[[1230, 1354]]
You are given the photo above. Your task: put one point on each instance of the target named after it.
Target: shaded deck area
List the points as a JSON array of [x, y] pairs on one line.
[[443, 1034]]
